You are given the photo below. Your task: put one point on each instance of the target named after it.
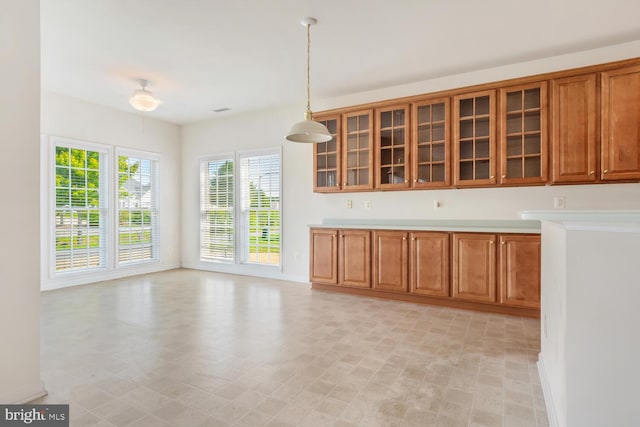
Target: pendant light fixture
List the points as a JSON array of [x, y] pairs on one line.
[[143, 99], [308, 130]]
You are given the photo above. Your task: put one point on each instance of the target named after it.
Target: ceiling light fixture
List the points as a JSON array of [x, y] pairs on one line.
[[142, 99], [308, 130]]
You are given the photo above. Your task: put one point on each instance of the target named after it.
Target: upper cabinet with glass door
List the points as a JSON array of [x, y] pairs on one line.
[[326, 158], [392, 147], [430, 144], [474, 139], [357, 150], [523, 134]]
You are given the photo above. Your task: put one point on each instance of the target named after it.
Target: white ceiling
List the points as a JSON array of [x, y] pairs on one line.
[[200, 55]]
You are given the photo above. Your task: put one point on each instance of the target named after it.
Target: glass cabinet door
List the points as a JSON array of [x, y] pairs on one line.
[[431, 144], [357, 150], [392, 148], [326, 159], [523, 134], [474, 138]]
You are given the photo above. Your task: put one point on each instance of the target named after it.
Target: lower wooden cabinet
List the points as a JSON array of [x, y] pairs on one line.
[[483, 271]]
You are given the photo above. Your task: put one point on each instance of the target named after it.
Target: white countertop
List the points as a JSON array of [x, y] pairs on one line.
[[594, 220], [471, 226]]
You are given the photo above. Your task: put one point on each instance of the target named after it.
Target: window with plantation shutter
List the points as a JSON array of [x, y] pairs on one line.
[[137, 237], [260, 190], [80, 208], [217, 219]]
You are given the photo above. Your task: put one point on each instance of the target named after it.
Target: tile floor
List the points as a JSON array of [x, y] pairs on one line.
[[189, 348]]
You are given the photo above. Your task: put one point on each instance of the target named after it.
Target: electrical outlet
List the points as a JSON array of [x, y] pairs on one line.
[[437, 204], [367, 204], [559, 202], [349, 204], [296, 256]]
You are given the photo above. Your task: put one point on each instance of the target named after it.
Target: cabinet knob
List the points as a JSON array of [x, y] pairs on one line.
[[413, 239], [605, 171], [337, 185], [492, 242], [415, 180], [404, 238], [333, 235], [491, 177], [592, 172], [406, 181], [503, 243], [504, 176]]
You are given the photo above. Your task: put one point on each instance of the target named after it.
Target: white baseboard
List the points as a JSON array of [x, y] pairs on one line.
[[546, 391], [24, 394], [245, 270]]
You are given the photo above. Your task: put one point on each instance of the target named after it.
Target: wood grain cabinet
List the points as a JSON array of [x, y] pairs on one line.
[[323, 266], [474, 267], [354, 258], [574, 119], [474, 139], [392, 147], [620, 129], [523, 134], [390, 261], [357, 150], [429, 263], [327, 158], [519, 270], [430, 143]]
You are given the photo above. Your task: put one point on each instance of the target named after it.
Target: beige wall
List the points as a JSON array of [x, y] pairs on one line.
[[20, 215]]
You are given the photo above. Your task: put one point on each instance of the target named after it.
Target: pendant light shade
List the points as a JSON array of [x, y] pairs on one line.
[[308, 130], [142, 99]]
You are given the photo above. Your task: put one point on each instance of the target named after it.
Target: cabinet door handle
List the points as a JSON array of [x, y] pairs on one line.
[[491, 177], [404, 238], [503, 243], [605, 171], [415, 180], [504, 176], [413, 239], [592, 172], [491, 242], [333, 236], [406, 181]]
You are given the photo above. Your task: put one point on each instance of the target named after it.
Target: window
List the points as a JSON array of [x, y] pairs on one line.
[[254, 222], [217, 237], [80, 208], [137, 239], [261, 208]]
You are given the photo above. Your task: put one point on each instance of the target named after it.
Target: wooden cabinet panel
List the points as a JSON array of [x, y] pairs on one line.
[[523, 134], [357, 150], [474, 138], [323, 259], [519, 266], [431, 144], [429, 263], [390, 260], [392, 147], [474, 267], [327, 158], [354, 258], [621, 124], [573, 129]]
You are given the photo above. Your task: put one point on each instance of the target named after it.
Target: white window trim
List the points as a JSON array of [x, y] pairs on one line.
[[55, 141], [155, 182]]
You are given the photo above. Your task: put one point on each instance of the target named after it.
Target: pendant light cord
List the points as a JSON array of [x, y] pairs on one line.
[[309, 114]]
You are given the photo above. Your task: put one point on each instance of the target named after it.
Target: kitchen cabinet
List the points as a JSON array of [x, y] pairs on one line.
[[519, 270], [474, 267], [327, 157], [523, 134], [354, 258], [390, 260], [574, 119], [620, 136], [392, 146], [474, 139], [430, 143], [429, 263], [357, 150], [323, 266]]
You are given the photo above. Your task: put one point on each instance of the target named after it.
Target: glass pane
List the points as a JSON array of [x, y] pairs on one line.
[[322, 162], [466, 150], [482, 169], [331, 179], [466, 129], [385, 175], [466, 170], [321, 179], [482, 105], [352, 124], [532, 121], [482, 127], [532, 98], [423, 173], [514, 168], [364, 121], [385, 138], [514, 123], [62, 156], [385, 156], [363, 177], [363, 161], [514, 101], [532, 167], [438, 132], [438, 173], [321, 147], [351, 177], [398, 118], [331, 146], [332, 125], [398, 174], [398, 156], [532, 144], [398, 137], [352, 160], [466, 107], [438, 112], [424, 134], [363, 140], [385, 119], [514, 146], [423, 114], [438, 152], [423, 154], [482, 148], [331, 161], [352, 142]]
